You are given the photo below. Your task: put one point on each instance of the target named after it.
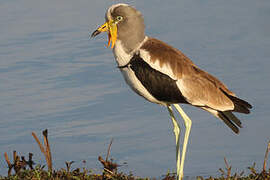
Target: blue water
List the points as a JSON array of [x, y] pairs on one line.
[[53, 76]]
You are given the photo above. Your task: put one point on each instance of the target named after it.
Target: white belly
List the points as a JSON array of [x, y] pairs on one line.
[[122, 58], [137, 86]]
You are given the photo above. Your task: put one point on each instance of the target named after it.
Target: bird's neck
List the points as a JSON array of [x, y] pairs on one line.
[[123, 54]]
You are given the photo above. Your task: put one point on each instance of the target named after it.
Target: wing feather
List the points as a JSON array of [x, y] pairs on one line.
[[197, 86]]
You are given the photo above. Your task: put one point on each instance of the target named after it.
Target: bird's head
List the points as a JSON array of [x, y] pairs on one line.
[[123, 23]]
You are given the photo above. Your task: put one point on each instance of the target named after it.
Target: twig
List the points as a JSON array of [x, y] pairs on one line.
[[107, 170], [7, 160], [23, 163], [108, 164], [109, 149], [47, 152], [38, 142], [16, 162], [9, 164], [68, 165], [40, 147], [228, 169], [266, 156], [14, 156], [30, 160]]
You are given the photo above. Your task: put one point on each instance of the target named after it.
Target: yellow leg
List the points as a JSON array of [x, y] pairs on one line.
[[188, 124], [177, 139]]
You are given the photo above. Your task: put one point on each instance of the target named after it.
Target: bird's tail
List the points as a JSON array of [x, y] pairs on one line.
[[227, 117], [230, 120], [240, 105]]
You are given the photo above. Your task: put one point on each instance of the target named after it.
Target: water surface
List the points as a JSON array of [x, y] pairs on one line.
[[53, 76]]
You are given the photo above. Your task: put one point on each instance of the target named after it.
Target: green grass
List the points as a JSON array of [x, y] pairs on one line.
[[22, 169], [39, 173]]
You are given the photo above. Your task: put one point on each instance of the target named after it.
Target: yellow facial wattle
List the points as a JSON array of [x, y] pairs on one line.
[[112, 33]]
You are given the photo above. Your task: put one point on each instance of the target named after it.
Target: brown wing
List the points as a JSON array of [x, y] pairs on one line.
[[166, 55], [202, 89], [198, 87]]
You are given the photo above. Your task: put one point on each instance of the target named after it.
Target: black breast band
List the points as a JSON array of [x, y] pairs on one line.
[[158, 84]]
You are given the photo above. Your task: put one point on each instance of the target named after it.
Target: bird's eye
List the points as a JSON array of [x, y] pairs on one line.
[[119, 18]]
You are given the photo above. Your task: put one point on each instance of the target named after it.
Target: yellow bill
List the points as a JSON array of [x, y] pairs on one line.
[[109, 27]]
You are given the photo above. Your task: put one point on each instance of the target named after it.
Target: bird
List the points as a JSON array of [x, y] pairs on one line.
[[164, 75]]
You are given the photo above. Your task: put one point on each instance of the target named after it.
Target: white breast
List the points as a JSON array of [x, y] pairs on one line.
[[137, 86], [122, 58]]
